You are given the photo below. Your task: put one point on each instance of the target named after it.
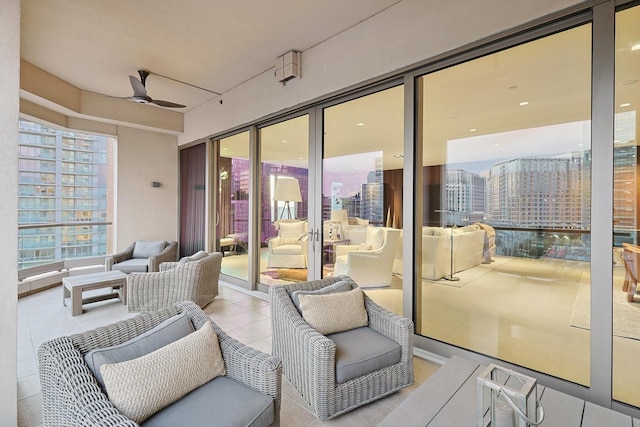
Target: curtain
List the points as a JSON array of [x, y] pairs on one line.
[[193, 189]]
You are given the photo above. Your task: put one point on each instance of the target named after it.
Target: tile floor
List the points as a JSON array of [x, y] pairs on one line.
[[245, 317]]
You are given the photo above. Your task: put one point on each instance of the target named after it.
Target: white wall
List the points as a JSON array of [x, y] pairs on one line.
[[144, 212], [9, 104], [403, 35]]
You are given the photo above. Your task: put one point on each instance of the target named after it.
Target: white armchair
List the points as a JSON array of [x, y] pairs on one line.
[[370, 264], [289, 248]]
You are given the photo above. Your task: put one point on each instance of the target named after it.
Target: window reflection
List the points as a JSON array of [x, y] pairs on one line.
[[506, 205]]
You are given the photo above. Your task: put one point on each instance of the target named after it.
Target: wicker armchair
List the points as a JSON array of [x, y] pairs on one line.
[[150, 262], [308, 357], [71, 396], [195, 281]]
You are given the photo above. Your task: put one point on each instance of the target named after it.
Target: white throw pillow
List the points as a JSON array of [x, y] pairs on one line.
[[140, 387], [291, 229], [374, 237], [334, 312]]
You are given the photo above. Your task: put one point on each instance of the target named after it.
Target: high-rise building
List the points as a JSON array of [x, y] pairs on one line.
[[465, 196], [539, 192], [64, 178]]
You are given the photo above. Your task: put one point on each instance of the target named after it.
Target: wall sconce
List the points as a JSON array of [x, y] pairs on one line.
[[506, 405], [155, 184]]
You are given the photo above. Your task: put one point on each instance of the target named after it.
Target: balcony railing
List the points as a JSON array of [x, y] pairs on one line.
[[48, 252]]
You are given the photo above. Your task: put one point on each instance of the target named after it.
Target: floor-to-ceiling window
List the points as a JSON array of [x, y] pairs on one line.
[[232, 204], [505, 238], [283, 201], [363, 160], [626, 302]]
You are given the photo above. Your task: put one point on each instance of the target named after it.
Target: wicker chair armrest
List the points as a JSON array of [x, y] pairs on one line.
[[148, 291], [166, 266], [397, 328], [307, 355], [112, 259], [69, 390], [168, 254], [251, 367]]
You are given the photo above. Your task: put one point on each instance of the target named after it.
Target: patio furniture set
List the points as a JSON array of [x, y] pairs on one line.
[[175, 366]]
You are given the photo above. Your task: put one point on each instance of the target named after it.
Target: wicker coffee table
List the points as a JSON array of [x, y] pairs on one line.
[[74, 286]]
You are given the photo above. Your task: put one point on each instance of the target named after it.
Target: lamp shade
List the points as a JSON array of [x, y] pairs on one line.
[[287, 189]]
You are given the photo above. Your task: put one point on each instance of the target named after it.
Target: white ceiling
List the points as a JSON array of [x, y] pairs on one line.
[[218, 44], [213, 44]]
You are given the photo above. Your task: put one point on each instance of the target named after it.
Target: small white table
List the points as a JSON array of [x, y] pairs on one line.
[[74, 286]]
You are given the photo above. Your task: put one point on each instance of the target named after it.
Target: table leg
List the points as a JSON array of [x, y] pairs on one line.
[[76, 301]]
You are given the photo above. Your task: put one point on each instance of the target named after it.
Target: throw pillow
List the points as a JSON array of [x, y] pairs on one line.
[[170, 330], [144, 249], [335, 312], [374, 237], [198, 255], [291, 229], [364, 247], [340, 286], [140, 387]]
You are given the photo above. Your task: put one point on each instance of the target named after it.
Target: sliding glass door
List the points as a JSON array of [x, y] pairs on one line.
[[506, 212], [283, 201], [362, 181]]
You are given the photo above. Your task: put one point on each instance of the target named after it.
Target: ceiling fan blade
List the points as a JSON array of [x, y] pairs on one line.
[[138, 87], [167, 104]]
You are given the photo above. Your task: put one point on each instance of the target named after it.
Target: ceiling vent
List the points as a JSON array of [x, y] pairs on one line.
[[288, 66]]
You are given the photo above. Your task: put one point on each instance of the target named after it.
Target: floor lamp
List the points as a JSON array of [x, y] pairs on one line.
[[451, 277], [287, 189]]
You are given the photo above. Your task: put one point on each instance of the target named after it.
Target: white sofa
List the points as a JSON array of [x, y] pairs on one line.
[[353, 228], [468, 246]]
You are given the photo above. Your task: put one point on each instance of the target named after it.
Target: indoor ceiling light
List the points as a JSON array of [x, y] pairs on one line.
[[626, 104], [524, 103], [635, 47], [360, 124], [473, 130], [284, 141]]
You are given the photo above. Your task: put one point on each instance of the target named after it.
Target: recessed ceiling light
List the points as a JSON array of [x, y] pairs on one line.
[[300, 158], [225, 149], [635, 47], [626, 104], [473, 130], [360, 124], [619, 129], [616, 141], [284, 141], [524, 103]]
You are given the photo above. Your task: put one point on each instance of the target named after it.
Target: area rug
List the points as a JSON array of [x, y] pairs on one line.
[[289, 274], [626, 315]]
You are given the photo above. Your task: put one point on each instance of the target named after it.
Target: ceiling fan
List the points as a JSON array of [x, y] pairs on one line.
[[140, 92]]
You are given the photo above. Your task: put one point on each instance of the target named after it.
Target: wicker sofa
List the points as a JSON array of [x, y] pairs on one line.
[[71, 395], [194, 279], [142, 256], [309, 358]]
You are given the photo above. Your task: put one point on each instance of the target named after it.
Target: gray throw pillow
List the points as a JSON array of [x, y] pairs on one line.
[[341, 286], [144, 249], [165, 333]]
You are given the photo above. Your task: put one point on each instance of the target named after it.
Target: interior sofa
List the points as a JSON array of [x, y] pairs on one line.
[[125, 374], [468, 250], [142, 256]]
